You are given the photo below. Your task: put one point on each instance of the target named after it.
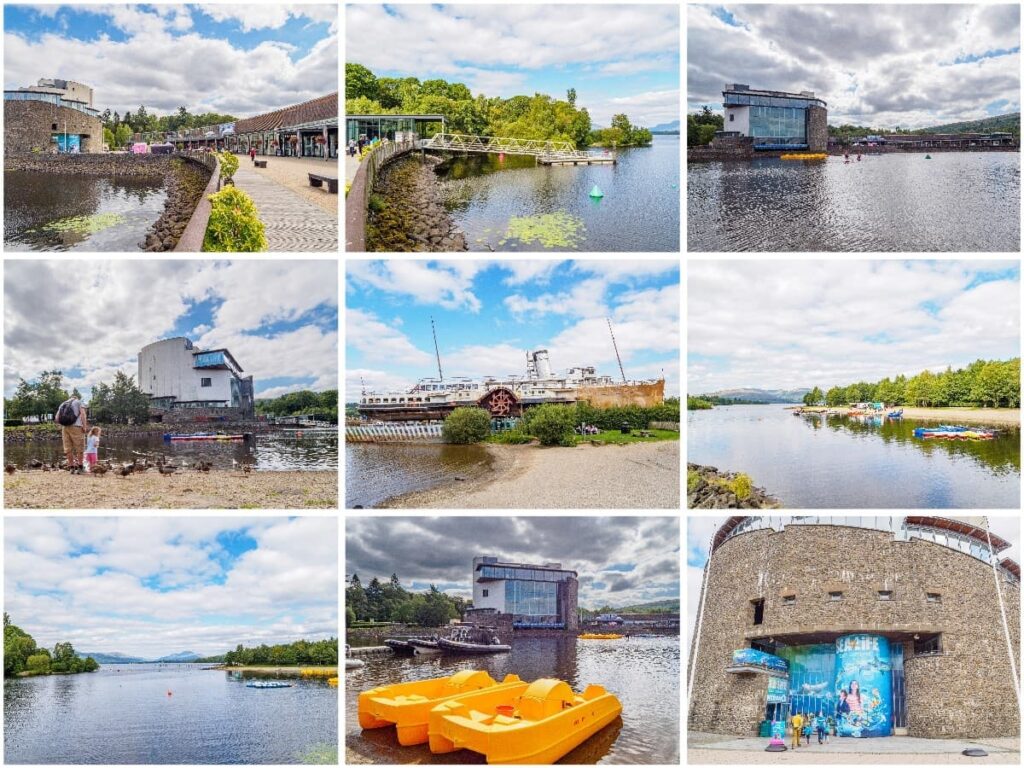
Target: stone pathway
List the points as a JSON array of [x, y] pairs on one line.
[[351, 166], [291, 223]]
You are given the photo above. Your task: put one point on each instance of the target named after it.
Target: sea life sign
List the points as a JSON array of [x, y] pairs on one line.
[[778, 689], [751, 657], [863, 686]]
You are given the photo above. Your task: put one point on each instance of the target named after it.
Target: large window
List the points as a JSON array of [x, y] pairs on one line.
[[532, 603], [777, 123]]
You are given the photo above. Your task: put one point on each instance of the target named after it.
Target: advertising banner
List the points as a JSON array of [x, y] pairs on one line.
[[751, 657], [863, 686], [778, 690]]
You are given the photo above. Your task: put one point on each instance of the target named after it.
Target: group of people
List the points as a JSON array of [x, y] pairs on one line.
[[355, 146], [81, 443], [806, 725]]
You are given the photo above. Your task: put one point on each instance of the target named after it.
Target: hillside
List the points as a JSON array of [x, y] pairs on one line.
[[761, 395], [1009, 123], [668, 128], [183, 656], [111, 658], [658, 606]]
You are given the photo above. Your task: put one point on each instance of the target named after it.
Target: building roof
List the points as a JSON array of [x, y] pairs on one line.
[[397, 117], [964, 528], [322, 108]]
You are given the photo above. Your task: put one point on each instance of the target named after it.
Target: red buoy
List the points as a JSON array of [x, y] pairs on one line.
[[170, 693]]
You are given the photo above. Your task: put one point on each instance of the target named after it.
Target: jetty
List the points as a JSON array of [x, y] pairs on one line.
[[546, 152], [393, 433]]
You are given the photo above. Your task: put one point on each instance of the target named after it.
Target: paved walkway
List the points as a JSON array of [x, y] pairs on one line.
[[351, 166], [291, 222]]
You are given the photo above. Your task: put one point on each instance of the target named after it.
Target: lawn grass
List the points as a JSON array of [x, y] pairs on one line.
[[615, 437]]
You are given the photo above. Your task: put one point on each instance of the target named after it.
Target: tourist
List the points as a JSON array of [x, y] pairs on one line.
[[74, 423], [808, 727], [92, 448], [798, 723], [819, 726], [252, 154]]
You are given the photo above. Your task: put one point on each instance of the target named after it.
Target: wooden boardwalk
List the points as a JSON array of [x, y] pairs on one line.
[[291, 223]]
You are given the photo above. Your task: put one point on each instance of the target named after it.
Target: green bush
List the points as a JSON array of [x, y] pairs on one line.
[[234, 224], [552, 424], [228, 166], [376, 203], [466, 425], [512, 437], [636, 416], [38, 663], [741, 486]]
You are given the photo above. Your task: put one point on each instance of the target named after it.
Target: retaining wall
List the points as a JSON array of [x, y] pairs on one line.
[[358, 196]]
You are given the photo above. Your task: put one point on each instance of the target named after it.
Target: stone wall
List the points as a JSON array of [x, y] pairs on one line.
[[29, 125], [645, 395], [966, 692], [198, 415], [723, 148], [817, 129]]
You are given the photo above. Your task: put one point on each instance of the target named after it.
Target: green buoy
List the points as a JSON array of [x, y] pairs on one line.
[[927, 157], [596, 192]]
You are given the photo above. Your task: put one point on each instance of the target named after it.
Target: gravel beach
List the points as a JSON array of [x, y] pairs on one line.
[[224, 489], [636, 476], [994, 417]]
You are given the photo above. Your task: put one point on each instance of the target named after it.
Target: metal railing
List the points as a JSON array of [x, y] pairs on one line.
[[545, 149], [393, 433]]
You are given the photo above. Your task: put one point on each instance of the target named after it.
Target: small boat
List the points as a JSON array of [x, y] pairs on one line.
[[422, 645], [947, 432], [804, 156], [354, 664], [267, 684], [895, 414], [406, 705], [400, 646], [472, 640], [207, 436], [332, 681], [596, 636], [534, 727]]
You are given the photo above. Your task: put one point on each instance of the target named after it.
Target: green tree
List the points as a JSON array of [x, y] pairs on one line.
[[359, 81], [551, 424], [38, 663], [108, 138], [122, 135], [466, 425], [570, 96], [436, 610]]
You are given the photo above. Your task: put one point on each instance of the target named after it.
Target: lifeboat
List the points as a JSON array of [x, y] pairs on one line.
[[535, 726], [406, 705]]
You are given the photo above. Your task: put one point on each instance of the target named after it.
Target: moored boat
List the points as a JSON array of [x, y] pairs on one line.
[[406, 705], [267, 684], [946, 432], [207, 436], [424, 645], [537, 726], [400, 646], [598, 636], [466, 646]]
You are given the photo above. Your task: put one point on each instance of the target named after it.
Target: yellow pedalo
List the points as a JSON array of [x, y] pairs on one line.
[[406, 705], [597, 636], [535, 726]]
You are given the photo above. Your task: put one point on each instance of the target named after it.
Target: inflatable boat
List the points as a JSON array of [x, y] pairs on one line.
[[208, 436], [468, 646], [267, 684]]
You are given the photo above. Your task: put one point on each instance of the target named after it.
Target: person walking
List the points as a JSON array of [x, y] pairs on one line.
[[252, 153], [808, 727], [819, 726], [797, 722], [74, 423]]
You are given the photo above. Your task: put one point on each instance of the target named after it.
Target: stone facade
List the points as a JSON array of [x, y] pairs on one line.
[[198, 415], [964, 692], [28, 126], [817, 129]]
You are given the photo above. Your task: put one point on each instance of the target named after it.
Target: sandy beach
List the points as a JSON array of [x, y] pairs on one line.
[[636, 476], [992, 417], [224, 489]]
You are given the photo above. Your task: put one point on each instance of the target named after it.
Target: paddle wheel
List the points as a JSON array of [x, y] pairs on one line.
[[501, 403]]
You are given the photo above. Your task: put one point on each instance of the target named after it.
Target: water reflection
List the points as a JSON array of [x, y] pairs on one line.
[[643, 672], [895, 202]]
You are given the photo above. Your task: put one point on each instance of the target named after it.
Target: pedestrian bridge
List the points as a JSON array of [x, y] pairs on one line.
[[547, 152]]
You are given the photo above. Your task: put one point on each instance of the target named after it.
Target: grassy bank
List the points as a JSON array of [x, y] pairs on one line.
[[219, 489], [610, 437]]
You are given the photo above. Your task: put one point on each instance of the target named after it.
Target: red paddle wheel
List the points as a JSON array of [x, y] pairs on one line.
[[501, 402]]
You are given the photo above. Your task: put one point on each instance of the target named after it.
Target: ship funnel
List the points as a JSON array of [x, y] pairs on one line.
[[542, 364]]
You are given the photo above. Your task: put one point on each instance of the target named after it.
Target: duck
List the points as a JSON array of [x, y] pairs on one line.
[[126, 470], [99, 470], [36, 464], [246, 468], [168, 469], [10, 469]]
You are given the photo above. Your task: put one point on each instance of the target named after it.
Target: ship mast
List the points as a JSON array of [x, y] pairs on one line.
[[617, 357], [437, 351]]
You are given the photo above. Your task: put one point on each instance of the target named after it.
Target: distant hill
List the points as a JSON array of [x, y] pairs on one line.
[[762, 395], [184, 656], [1009, 123], [672, 127], [111, 658], [665, 606]]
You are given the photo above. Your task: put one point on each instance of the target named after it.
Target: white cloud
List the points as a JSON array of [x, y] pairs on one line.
[[379, 342], [447, 284]]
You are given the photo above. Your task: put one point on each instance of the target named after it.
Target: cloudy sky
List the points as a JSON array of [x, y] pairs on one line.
[[241, 60], [699, 531], [619, 58], [790, 324], [89, 319], [490, 313], [155, 586], [620, 560], [910, 66]]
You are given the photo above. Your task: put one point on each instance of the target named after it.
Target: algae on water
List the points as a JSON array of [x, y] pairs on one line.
[[85, 225], [551, 230]]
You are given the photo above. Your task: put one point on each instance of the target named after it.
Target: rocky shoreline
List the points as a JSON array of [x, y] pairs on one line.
[[407, 212], [708, 488], [50, 431], [184, 183]]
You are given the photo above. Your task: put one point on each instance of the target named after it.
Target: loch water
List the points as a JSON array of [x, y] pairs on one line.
[[165, 713], [643, 672], [819, 461], [956, 201]]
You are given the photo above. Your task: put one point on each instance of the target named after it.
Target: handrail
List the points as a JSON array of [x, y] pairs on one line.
[[495, 144]]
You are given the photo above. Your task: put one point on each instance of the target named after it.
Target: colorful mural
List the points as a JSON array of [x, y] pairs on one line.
[[863, 686]]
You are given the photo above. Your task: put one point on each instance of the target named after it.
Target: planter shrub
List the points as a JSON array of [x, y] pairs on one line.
[[228, 166], [234, 224]]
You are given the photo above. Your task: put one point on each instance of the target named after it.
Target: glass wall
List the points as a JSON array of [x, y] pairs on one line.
[[785, 123], [532, 603], [531, 574]]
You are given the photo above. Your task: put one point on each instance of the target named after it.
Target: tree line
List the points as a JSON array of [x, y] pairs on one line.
[[301, 652], [118, 130], [701, 126], [392, 602], [539, 117], [120, 402], [22, 655], [983, 383], [317, 405]]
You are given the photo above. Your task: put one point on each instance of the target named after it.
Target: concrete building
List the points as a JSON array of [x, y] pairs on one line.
[[54, 116], [892, 625], [537, 597], [776, 120], [202, 383]]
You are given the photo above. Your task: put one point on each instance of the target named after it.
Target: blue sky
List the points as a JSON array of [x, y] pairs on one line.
[[151, 587], [279, 319], [884, 66], [619, 58], [792, 324], [619, 560], [489, 314], [236, 59]]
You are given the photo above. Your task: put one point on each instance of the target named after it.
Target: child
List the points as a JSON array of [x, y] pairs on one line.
[[92, 448], [808, 727]]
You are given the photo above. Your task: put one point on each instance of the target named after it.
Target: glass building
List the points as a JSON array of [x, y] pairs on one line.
[[775, 120], [536, 596], [392, 127]]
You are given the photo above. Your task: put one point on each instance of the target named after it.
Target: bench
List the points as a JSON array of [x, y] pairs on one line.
[[316, 180], [261, 163]]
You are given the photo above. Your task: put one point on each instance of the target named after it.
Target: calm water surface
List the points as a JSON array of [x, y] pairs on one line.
[[842, 462], [285, 450], [375, 472], [122, 714], [639, 211], [643, 672], [957, 201], [33, 200]]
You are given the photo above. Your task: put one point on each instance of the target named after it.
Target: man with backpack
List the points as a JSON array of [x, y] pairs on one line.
[[74, 423]]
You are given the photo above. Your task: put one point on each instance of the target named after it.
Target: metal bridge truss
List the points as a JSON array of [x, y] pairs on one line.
[[544, 150]]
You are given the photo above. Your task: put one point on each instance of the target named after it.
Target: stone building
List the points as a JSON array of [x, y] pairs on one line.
[[537, 598], [776, 120], [54, 116], [903, 614]]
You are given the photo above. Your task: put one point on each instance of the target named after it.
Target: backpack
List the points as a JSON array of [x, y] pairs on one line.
[[66, 415]]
